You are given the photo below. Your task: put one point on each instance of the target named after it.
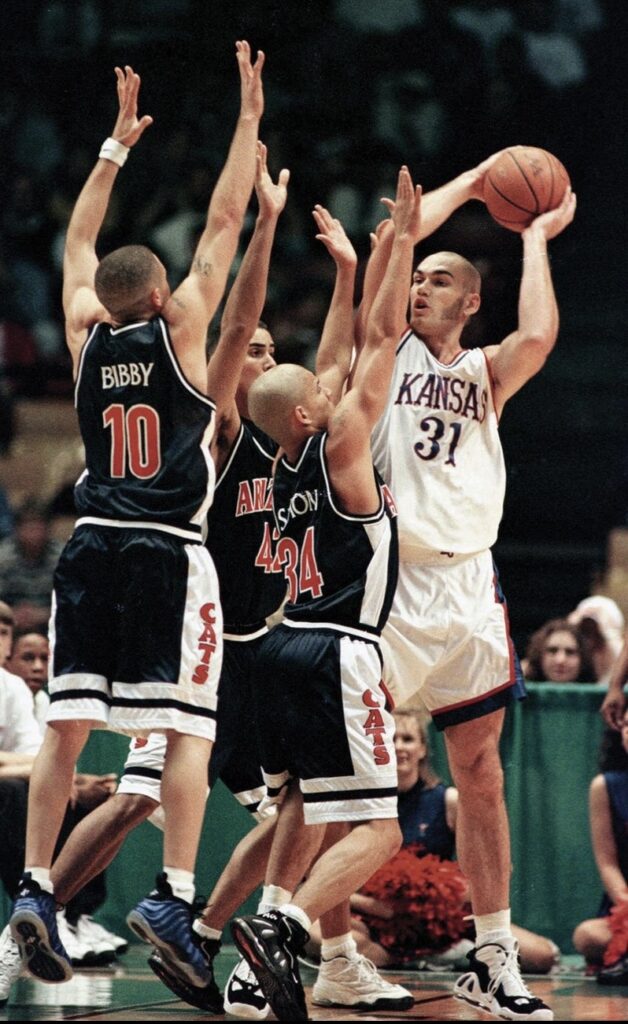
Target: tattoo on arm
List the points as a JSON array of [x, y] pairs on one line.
[[202, 266]]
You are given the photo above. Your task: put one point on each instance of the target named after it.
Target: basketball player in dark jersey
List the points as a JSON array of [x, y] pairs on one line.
[[322, 714], [136, 626]]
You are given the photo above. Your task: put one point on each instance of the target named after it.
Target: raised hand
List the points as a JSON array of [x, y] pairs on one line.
[[251, 91], [128, 128], [333, 236], [406, 209], [271, 197], [555, 221], [477, 175]]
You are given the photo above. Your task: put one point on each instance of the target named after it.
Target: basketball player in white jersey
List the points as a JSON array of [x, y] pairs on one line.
[[437, 447]]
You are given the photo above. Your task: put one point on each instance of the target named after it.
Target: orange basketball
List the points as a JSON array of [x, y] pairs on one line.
[[524, 182]]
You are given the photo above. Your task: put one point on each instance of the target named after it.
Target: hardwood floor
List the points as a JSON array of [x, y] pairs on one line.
[[129, 991]]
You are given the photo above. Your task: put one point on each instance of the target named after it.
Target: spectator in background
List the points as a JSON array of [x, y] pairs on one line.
[[22, 719], [608, 810], [557, 653], [427, 818], [601, 624], [27, 563], [29, 661]]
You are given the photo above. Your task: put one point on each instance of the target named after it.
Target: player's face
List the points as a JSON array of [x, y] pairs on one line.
[[30, 660], [560, 659], [437, 295], [260, 357], [409, 746]]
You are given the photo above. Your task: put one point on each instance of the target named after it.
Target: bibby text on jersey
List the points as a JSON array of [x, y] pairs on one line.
[[146, 432]]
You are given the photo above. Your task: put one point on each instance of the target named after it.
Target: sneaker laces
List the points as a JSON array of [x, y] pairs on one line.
[[503, 968]]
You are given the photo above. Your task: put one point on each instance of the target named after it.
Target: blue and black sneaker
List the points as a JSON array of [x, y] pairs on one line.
[[165, 922], [271, 944], [34, 927]]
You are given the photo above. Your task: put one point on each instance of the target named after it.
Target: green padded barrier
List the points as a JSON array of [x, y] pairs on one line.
[[550, 749]]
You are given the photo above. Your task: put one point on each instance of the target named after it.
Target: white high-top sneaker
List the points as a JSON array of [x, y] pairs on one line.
[[494, 983], [356, 983]]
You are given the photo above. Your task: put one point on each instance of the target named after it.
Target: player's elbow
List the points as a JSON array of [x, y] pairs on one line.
[[539, 343], [227, 218]]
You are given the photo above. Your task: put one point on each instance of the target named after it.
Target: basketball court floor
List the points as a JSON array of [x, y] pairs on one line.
[[129, 991]]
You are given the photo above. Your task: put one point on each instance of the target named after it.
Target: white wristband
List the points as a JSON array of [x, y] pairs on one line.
[[115, 151]]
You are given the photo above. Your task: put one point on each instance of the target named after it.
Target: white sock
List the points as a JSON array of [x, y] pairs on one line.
[[42, 877], [181, 883], [291, 910], [205, 931], [272, 898], [339, 945], [492, 927]]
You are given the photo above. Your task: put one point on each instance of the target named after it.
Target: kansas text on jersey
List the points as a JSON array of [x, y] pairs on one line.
[[437, 447], [341, 569], [146, 432]]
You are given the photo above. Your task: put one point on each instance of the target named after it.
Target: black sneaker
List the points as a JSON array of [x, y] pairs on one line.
[[614, 974], [495, 985], [271, 943], [206, 998]]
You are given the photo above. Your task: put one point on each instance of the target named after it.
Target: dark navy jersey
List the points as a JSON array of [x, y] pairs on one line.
[[423, 819], [241, 533], [341, 569], [146, 431]]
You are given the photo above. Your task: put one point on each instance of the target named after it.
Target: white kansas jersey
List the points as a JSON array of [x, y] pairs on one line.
[[437, 447]]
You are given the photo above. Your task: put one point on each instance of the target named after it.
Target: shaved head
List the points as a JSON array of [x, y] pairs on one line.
[[274, 395], [456, 265]]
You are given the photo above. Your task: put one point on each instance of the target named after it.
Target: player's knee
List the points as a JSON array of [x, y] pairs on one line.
[[389, 837], [130, 809], [478, 772]]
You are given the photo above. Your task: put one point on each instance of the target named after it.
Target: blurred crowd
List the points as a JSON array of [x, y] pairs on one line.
[[354, 88]]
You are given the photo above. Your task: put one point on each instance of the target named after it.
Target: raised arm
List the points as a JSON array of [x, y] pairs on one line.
[[245, 303], [387, 317], [333, 358], [193, 304], [603, 840], [522, 354], [348, 447], [436, 207], [80, 304]]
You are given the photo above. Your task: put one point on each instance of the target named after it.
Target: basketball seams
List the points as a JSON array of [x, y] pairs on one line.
[[508, 200], [523, 174], [524, 171]]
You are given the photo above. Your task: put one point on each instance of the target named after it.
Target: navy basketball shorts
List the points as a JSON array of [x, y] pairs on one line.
[[322, 719], [136, 633], [234, 758]]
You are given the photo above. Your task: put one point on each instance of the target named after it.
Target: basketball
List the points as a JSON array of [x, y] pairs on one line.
[[522, 183]]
